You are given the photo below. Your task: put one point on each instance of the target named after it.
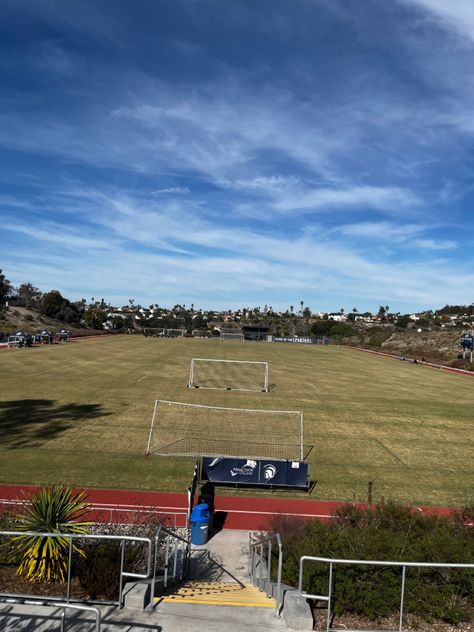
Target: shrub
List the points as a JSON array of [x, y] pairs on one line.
[[98, 571], [388, 532], [50, 510]]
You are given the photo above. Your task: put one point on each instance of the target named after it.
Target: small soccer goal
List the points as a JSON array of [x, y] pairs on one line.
[[160, 332], [179, 429], [230, 375], [232, 334]]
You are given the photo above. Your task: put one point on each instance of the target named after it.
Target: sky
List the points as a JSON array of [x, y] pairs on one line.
[[239, 153]]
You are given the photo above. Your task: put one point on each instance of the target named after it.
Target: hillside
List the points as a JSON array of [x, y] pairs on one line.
[[434, 346], [29, 320]]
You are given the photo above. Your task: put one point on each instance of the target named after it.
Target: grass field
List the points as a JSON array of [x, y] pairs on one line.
[[80, 413]]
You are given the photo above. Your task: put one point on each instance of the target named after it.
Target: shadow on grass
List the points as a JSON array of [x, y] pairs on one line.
[[30, 422]]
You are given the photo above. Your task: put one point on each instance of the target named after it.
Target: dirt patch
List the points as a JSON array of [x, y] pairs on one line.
[[12, 583], [411, 623]]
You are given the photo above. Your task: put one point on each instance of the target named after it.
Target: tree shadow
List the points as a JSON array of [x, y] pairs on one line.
[[31, 422]]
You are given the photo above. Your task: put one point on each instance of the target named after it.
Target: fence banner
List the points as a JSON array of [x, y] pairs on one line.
[[261, 472], [303, 341]]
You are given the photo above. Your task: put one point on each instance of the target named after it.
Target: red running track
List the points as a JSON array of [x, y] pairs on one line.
[[238, 512]]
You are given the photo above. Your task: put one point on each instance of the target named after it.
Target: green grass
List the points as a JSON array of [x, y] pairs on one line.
[[80, 414]]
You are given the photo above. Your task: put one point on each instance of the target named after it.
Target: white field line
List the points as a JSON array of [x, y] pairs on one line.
[[142, 378], [178, 510], [415, 392], [58, 368], [316, 389]]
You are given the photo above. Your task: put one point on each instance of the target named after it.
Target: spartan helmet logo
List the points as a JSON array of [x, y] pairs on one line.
[[269, 472]]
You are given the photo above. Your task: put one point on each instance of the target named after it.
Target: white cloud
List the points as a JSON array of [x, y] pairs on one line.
[[383, 198], [431, 244], [452, 14], [210, 261], [381, 230]]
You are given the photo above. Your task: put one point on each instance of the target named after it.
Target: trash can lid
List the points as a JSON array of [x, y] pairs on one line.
[[200, 511]]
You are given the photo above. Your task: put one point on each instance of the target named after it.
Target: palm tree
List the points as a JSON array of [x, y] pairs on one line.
[[50, 510]]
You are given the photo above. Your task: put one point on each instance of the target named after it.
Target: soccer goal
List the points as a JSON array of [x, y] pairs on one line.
[[160, 332], [179, 429], [175, 333], [232, 334], [235, 375], [201, 333]]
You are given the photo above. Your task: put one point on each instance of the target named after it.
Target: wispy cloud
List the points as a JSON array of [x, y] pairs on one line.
[[455, 14], [171, 167]]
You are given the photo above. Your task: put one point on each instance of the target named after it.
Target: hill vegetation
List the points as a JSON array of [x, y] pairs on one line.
[[432, 335]]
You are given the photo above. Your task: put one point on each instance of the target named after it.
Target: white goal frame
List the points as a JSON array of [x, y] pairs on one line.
[[264, 365], [299, 444], [228, 336], [164, 332]]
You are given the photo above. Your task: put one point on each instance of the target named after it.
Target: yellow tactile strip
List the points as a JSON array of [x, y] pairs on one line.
[[219, 594]]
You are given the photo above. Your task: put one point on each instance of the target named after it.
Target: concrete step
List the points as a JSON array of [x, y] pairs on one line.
[[219, 594]]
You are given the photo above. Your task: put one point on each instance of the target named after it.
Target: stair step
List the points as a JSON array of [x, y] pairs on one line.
[[217, 593]]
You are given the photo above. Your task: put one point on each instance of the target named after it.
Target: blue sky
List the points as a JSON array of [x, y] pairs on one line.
[[239, 153]]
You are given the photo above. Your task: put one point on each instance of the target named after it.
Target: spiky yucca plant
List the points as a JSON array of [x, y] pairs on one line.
[[50, 510]]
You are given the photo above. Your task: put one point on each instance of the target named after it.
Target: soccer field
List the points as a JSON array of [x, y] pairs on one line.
[[80, 413]]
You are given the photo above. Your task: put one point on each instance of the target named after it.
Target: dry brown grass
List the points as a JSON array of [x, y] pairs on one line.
[[80, 413]]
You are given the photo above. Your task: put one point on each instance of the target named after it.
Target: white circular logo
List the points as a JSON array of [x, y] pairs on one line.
[[269, 472]]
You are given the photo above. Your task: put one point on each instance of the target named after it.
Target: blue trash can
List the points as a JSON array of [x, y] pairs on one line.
[[200, 520]]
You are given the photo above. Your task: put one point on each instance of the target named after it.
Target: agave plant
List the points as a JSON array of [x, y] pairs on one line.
[[51, 510]]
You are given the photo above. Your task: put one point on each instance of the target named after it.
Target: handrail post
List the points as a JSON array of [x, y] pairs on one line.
[[63, 615], [155, 561], [402, 599], [69, 569], [175, 561], [165, 573], [300, 579], [260, 574], [328, 621], [122, 560], [280, 567], [269, 561]]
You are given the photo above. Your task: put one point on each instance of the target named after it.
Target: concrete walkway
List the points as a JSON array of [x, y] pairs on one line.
[[223, 559], [164, 618]]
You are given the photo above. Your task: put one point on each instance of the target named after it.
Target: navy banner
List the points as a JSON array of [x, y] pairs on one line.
[[260, 472], [301, 341]]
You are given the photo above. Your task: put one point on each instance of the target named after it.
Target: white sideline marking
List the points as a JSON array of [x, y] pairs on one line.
[[142, 378], [316, 389]]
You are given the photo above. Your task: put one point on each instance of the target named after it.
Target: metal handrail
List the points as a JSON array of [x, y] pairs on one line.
[[335, 561], [55, 604], [258, 581], [180, 567], [77, 536]]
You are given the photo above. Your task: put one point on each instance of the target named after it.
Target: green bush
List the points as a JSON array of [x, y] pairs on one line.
[[378, 335], [387, 532], [99, 571]]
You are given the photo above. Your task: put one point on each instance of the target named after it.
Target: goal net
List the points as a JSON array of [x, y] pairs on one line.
[[232, 334], [179, 429], [201, 333], [160, 332], [174, 333], [238, 375]]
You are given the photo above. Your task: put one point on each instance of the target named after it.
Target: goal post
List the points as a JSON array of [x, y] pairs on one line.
[[181, 429], [238, 375], [238, 337], [160, 332], [232, 334]]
